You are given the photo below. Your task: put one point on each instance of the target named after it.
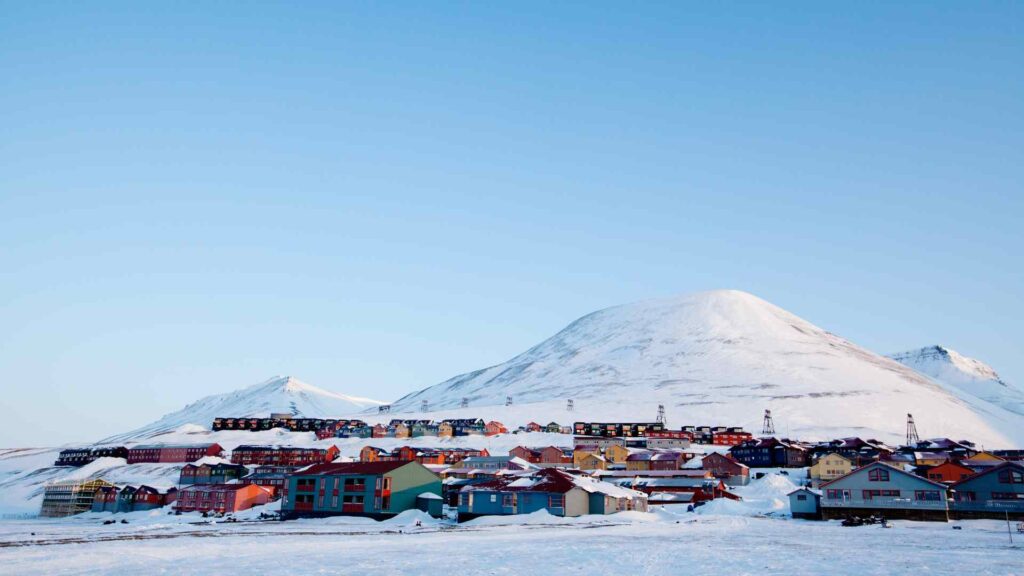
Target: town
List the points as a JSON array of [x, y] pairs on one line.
[[601, 468]]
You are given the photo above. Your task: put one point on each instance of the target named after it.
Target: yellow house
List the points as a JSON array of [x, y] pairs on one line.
[[831, 466], [401, 431], [616, 454], [445, 430], [589, 461]]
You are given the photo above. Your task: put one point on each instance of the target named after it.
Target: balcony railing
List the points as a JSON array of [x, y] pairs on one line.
[[888, 503], [989, 506]]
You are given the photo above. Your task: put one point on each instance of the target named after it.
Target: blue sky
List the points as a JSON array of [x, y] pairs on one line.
[[374, 198]]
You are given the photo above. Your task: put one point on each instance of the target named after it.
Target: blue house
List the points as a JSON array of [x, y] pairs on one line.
[[995, 493], [879, 488], [557, 491]]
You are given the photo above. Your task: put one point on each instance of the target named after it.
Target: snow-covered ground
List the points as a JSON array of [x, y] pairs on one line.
[[663, 542], [725, 537]]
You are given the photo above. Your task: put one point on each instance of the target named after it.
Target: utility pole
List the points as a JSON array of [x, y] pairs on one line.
[[424, 406], [568, 405], [465, 402], [661, 415], [508, 400]]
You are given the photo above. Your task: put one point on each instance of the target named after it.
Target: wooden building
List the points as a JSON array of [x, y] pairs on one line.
[[219, 473], [258, 455], [374, 489], [879, 488], [172, 452], [221, 498]]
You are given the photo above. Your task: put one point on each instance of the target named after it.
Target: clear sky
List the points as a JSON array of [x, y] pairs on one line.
[[373, 198]]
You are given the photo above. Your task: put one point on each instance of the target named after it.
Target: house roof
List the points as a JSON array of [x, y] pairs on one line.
[[217, 487], [1001, 466], [553, 480], [159, 446], [807, 490], [353, 468]]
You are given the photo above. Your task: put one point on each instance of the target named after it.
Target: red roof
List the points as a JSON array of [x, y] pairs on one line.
[[353, 468]]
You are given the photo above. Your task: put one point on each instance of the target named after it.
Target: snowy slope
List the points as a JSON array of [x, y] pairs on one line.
[[283, 394], [964, 376], [718, 357]]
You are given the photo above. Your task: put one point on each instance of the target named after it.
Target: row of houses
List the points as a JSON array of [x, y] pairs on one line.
[[431, 456], [131, 498], [284, 420], [881, 488], [139, 454]]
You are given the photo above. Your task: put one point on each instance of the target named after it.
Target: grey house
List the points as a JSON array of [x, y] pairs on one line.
[[879, 488], [805, 503], [995, 493]]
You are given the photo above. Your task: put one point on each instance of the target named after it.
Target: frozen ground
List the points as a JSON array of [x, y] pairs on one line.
[[663, 542]]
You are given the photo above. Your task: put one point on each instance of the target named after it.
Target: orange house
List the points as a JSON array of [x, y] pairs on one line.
[[949, 472], [534, 427], [494, 428], [379, 431], [373, 454]]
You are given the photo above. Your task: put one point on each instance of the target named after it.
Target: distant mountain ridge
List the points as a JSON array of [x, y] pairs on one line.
[[964, 376], [280, 394]]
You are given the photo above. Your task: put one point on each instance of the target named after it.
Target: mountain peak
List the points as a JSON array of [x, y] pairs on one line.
[[280, 394], [716, 357]]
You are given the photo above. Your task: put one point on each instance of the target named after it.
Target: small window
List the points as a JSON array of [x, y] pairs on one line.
[[878, 475], [801, 497]]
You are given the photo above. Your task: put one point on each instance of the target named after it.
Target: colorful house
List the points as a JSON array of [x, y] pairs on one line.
[[829, 467], [379, 431], [770, 453], [272, 478], [948, 472], [727, 469], [559, 492], [221, 498], [584, 460], [667, 490], [374, 489], [83, 456], [534, 427], [220, 473], [656, 460], [172, 452], [445, 430], [982, 461], [998, 492], [257, 455], [730, 436], [493, 428], [879, 488], [374, 454], [805, 503]]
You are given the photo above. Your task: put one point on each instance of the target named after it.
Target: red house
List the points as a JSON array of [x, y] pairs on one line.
[[723, 466], [534, 427], [494, 428], [948, 472], [379, 431], [172, 452], [730, 437], [221, 498], [253, 455]]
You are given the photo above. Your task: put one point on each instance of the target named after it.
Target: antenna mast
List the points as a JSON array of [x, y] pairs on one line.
[[465, 402], [768, 427], [912, 437], [508, 400], [568, 405], [661, 415], [424, 406]]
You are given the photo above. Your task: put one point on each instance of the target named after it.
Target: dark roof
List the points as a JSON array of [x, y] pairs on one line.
[[354, 468]]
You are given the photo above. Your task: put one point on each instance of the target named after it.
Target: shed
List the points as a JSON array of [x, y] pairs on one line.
[[805, 503]]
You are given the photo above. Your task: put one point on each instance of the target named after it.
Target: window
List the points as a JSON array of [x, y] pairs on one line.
[[1011, 477], [556, 501], [838, 494], [1008, 495], [871, 494], [508, 500], [965, 496], [928, 495], [801, 497], [878, 475]]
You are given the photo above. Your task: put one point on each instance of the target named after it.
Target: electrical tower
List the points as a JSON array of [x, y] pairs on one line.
[[568, 405], [465, 402], [385, 409], [508, 400], [912, 437], [768, 428], [661, 415], [424, 406]]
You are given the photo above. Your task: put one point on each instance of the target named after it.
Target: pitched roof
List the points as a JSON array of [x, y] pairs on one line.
[[343, 468], [553, 480]]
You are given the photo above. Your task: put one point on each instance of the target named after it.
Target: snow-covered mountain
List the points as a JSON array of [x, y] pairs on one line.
[[280, 394], [719, 357], [964, 376]]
